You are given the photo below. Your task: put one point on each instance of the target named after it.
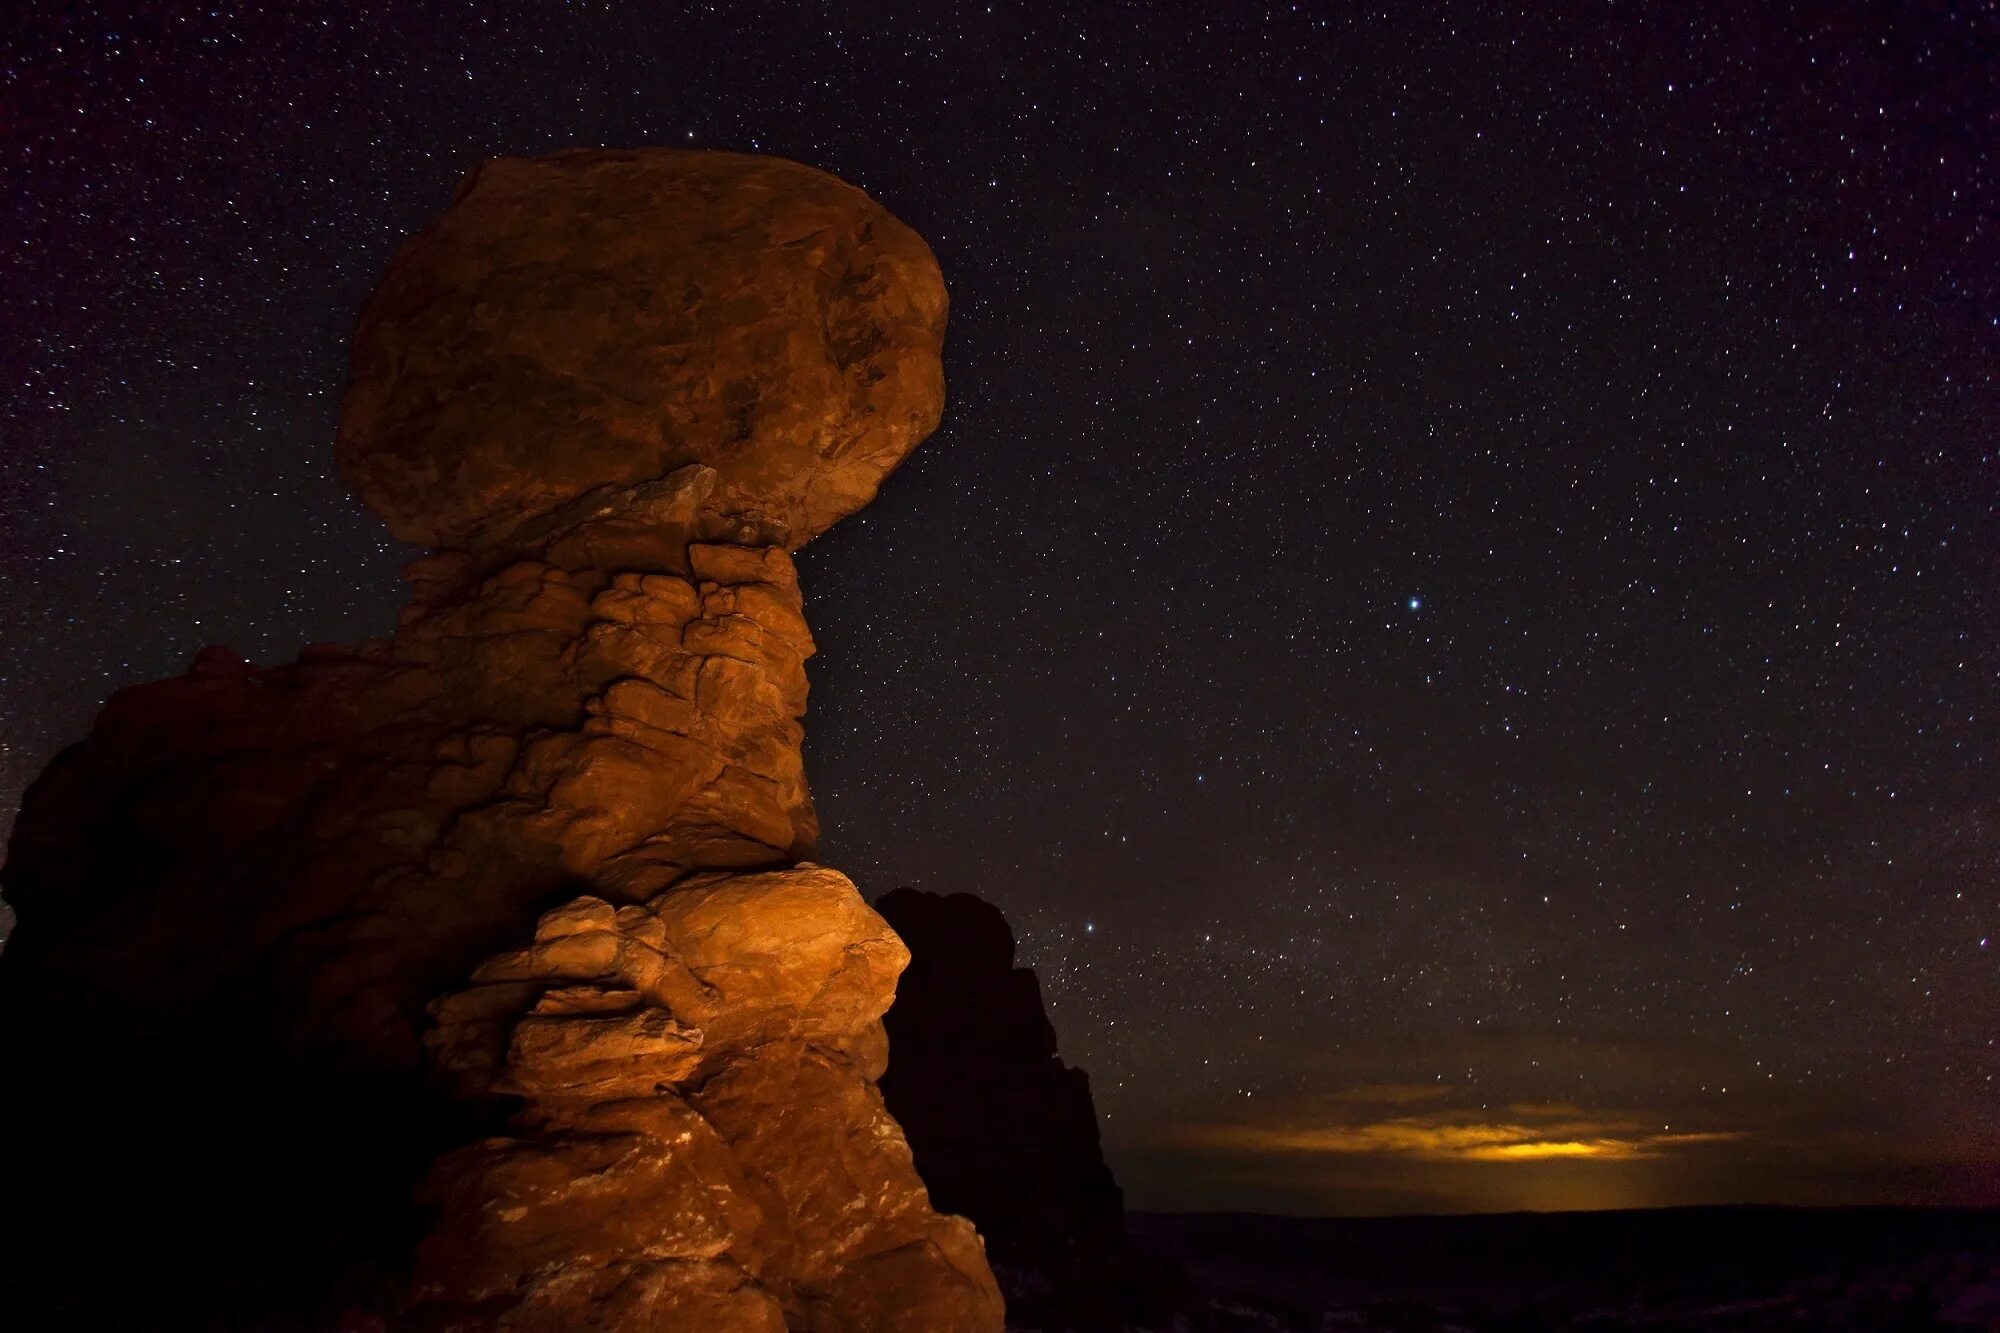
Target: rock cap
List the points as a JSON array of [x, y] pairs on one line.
[[601, 318]]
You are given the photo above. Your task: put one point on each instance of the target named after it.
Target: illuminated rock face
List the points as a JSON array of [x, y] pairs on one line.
[[594, 319], [477, 978]]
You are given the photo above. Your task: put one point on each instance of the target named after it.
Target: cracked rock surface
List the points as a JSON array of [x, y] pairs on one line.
[[479, 977]]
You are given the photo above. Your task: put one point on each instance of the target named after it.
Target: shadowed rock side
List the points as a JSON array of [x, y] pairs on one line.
[[477, 977], [1003, 1131]]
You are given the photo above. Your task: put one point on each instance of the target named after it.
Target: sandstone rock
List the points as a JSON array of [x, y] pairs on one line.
[[477, 977], [688, 1097], [594, 319]]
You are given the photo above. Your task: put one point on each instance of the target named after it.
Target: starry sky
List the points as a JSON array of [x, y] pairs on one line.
[[1453, 604]]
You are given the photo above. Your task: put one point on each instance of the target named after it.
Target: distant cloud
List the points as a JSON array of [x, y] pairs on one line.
[[1518, 1132], [1400, 1146]]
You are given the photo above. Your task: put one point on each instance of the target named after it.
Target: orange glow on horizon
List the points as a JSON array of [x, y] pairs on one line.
[[1445, 1137]]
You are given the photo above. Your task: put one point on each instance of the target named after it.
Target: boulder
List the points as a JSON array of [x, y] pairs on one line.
[[597, 319]]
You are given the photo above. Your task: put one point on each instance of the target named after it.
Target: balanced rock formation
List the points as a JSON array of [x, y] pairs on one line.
[[1003, 1131], [479, 977]]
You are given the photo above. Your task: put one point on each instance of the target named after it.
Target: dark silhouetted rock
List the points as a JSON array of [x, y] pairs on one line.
[[1003, 1131], [478, 977]]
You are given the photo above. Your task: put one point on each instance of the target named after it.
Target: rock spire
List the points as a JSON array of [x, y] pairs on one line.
[[480, 977]]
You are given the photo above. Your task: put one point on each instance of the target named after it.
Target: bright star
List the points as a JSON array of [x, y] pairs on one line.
[[1416, 603]]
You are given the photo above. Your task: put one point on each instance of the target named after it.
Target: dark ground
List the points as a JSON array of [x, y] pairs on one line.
[[1671, 1269]]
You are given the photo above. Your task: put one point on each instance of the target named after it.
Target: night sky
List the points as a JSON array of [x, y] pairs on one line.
[[1454, 604]]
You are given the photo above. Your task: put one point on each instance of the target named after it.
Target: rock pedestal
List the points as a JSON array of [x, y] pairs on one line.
[[479, 977]]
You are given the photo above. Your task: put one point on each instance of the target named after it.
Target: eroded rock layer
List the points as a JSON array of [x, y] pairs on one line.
[[478, 977]]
